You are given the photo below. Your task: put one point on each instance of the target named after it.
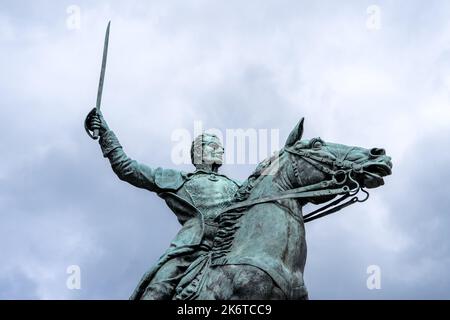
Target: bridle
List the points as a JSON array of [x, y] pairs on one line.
[[340, 171]]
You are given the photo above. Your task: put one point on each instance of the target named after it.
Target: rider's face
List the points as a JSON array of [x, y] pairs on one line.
[[212, 152]]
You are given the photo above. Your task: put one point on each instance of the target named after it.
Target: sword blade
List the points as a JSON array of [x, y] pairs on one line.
[[103, 70]]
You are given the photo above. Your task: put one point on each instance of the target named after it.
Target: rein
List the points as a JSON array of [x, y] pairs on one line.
[[341, 172]]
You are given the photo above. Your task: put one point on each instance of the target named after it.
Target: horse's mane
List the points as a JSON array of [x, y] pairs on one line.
[[229, 220], [245, 189]]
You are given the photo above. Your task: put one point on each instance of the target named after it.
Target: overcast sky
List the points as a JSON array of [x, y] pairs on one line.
[[360, 75]]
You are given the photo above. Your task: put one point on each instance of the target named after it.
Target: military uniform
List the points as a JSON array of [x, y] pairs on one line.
[[195, 198]]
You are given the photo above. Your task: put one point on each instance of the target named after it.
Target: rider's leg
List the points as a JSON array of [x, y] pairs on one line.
[[166, 279]]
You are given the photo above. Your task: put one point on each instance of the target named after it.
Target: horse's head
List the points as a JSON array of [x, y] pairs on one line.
[[317, 160], [315, 171]]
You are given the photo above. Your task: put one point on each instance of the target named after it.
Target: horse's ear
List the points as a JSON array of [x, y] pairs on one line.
[[295, 134]]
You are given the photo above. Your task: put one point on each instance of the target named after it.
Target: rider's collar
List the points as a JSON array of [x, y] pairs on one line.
[[205, 171], [208, 172]]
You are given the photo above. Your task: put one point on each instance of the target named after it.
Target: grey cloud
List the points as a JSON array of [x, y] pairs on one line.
[[231, 65]]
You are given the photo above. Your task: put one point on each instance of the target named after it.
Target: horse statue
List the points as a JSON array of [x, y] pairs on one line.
[[259, 251]]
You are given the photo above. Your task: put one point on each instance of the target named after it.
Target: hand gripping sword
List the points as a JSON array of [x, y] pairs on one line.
[[94, 111]]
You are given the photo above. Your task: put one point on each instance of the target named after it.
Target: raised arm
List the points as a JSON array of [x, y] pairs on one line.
[[127, 169]]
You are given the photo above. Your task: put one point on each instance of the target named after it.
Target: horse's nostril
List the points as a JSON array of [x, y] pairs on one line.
[[376, 152]]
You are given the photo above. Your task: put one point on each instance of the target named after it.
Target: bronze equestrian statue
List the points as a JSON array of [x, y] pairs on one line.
[[244, 241]]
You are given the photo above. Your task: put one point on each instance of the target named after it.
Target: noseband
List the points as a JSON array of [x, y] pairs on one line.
[[340, 171]]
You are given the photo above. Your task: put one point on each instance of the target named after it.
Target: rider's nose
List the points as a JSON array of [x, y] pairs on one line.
[[377, 152]]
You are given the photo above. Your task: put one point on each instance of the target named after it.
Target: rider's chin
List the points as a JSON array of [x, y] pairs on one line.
[[217, 159], [212, 160]]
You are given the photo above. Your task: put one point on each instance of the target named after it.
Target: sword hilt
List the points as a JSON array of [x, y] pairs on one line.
[[94, 135]]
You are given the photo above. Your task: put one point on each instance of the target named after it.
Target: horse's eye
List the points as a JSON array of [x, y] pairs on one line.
[[317, 144]]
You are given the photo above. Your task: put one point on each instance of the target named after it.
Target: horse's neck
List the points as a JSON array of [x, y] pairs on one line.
[[272, 182]]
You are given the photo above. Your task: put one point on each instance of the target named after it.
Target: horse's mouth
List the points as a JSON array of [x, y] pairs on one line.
[[378, 169], [374, 173]]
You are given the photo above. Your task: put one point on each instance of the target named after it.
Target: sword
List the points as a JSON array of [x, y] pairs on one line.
[[94, 135]]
